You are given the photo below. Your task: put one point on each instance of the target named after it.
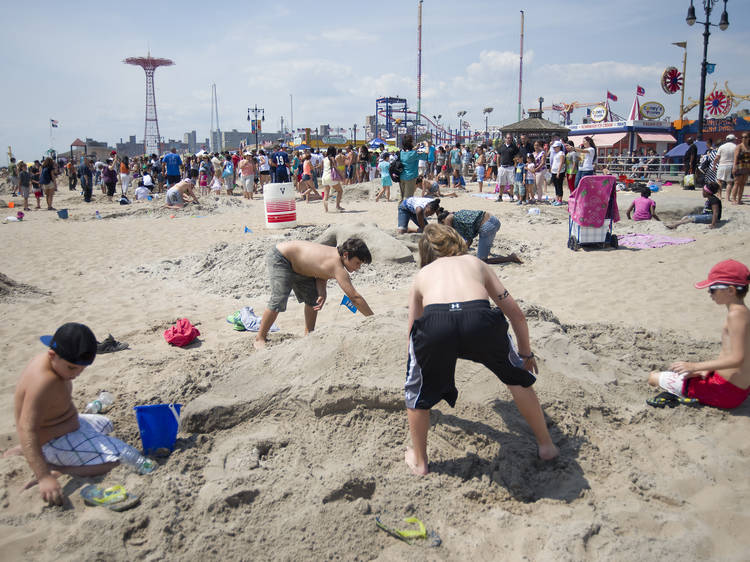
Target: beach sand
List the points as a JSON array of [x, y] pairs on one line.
[[289, 453]]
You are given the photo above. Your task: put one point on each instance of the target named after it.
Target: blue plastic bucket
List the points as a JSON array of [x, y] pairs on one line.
[[158, 425], [62, 213]]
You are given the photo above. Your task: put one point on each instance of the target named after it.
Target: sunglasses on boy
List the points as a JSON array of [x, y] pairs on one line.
[[713, 288]]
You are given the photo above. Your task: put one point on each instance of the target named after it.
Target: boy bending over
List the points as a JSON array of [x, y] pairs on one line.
[[723, 382], [53, 436], [305, 267], [450, 318]]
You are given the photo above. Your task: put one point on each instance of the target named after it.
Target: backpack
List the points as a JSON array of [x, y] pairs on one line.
[[396, 169]]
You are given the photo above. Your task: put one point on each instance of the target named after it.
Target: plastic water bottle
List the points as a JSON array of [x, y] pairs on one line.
[[101, 404], [534, 211], [135, 460], [98, 215]]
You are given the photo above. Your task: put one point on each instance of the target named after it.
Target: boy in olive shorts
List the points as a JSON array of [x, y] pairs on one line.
[[304, 267]]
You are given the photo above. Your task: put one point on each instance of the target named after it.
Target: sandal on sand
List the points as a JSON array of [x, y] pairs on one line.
[[116, 497], [663, 399], [234, 320], [110, 345]]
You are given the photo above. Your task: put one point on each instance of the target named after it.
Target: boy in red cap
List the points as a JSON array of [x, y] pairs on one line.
[[723, 382]]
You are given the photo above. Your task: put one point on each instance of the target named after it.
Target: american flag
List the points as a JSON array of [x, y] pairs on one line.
[[53, 123], [640, 91]]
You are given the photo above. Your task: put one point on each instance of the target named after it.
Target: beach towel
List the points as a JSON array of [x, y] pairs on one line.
[[593, 201], [182, 333], [645, 241], [251, 321]]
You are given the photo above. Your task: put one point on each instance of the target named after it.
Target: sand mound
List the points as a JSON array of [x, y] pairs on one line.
[[11, 289]]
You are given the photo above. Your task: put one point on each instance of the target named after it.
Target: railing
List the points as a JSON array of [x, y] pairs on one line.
[[639, 167]]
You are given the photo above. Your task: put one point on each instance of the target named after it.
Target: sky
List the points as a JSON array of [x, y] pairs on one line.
[[335, 58]]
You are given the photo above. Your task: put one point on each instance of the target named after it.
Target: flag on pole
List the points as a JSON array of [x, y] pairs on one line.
[[611, 96], [53, 123], [346, 301], [640, 91], [682, 44], [710, 67]]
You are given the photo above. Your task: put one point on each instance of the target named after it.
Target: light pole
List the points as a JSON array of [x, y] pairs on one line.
[[354, 128], [486, 111], [256, 110], [460, 116], [708, 5], [437, 119]]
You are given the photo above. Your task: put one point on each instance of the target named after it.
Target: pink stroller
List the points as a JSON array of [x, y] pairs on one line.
[[592, 210]]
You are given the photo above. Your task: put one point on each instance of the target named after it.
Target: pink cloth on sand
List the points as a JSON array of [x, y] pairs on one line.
[[589, 203]]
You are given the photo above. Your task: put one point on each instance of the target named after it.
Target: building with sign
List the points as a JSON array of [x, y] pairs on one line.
[[626, 136], [716, 129]]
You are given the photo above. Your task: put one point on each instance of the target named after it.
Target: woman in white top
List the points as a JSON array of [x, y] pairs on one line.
[[264, 168], [557, 168], [589, 159]]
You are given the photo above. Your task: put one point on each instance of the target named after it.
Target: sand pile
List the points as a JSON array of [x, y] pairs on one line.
[[11, 289]]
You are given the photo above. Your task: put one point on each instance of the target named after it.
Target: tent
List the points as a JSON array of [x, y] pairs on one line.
[[375, 143], [301, 147], [680, 150]]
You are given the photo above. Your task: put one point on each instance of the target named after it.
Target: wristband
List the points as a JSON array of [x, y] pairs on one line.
[[530, 356]]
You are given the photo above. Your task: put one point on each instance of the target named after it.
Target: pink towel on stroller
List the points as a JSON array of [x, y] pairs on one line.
[[594, 201]]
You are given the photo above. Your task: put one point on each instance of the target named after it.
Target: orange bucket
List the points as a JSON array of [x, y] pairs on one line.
[[11, 204]]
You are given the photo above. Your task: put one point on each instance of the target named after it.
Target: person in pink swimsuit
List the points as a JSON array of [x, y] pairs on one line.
[[644, 206]]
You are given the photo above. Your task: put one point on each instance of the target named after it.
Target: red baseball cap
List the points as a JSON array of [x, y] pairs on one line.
[[727, 272]]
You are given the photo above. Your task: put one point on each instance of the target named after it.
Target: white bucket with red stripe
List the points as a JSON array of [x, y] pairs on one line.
[[280, 205]]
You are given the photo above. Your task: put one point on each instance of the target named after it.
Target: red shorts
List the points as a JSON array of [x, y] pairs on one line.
[[715, 391]]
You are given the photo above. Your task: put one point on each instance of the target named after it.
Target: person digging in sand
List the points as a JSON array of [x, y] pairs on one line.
[[723, 382], [305, 267], [177, 195], [450, 318], [469, 224], [53, 436]]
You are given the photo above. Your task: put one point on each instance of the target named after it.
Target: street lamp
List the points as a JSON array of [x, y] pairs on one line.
[[708, 5], [486, 111], [354, 128], [437, 119], [256, 111], [460, 116]]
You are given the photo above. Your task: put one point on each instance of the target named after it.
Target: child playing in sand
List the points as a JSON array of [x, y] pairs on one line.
[[305, 267], [450, 318], [178, 193], [711, 214], [431, 188], [644, 206], [53, 436], [723, 382]]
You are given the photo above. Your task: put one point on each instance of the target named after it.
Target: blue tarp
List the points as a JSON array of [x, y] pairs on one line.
[[375, 143], [680, 150]]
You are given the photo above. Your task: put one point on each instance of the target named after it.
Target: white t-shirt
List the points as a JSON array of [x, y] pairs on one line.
[[142, 192], [588, 159], [147, 181], [725, 153], [558, 162]]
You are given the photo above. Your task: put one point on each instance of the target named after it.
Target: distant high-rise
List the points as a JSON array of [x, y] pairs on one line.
[[151, 138]]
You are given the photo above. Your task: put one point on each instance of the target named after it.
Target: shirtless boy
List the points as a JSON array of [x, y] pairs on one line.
[[723, 382], [450, 318], [305, 267], [178, 193], [53, 437]]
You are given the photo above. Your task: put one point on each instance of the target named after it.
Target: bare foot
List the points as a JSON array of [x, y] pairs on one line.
[[409, 458], [13, 451], [259, 344], [548, 452]]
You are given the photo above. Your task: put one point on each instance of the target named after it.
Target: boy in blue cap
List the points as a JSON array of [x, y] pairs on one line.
[[53, 436]]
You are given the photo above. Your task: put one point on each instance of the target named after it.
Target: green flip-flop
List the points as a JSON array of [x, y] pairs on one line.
[[116, 497]]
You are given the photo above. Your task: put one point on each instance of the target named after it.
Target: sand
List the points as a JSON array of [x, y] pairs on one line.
[[289, 453]]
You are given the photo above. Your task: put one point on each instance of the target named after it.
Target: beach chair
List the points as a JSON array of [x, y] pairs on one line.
[[592, 211]]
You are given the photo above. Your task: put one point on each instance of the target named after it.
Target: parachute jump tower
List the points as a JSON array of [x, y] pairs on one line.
[[151, 138]]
